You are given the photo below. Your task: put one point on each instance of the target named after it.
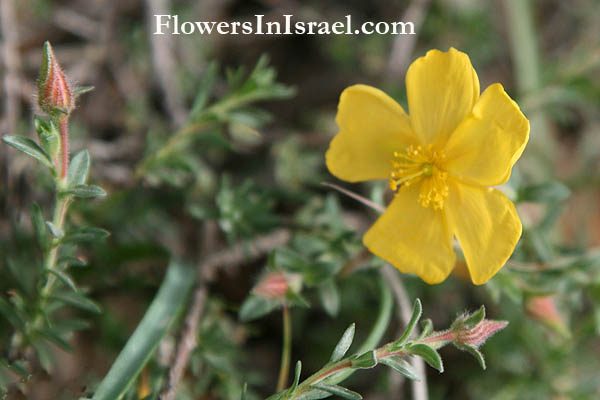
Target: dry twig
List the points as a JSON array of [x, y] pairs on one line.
[[404, 44], [163, 61]]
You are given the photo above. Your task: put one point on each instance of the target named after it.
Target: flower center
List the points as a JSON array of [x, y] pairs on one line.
[[416, 165]]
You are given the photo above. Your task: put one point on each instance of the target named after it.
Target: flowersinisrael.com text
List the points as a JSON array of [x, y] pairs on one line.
[[170, 24]]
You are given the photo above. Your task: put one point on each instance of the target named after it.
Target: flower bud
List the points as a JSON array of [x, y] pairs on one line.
[[477, 335], [543, 309], [54, 92], [272, 286]]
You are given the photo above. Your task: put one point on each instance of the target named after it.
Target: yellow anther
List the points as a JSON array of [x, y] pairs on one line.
[[415, 165]]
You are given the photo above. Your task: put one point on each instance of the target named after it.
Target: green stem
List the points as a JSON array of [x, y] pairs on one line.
[[343, 366], [208, 119], [284, 369]]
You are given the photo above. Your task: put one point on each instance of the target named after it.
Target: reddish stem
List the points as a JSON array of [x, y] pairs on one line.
[[444, 336], [64, 145]]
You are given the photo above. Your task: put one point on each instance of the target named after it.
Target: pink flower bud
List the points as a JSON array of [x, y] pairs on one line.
[[477, 335], [272, 286], [543, 309], [54, 92]]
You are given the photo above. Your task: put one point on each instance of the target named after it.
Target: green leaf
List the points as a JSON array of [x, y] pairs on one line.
[[426, 328], [141, 345], [78, 169], [30, 148], [86, 191], [88, 234], [37, 220], [55, 230], [365, 361], [76, 299], [295, 299], [474, 352], [297, 372], [205, 90], [78, 91], [54, 336], [71, 325], [475, 318], [428, 353], [548, 192], [344, 344], [15, 367], [70, 261], [255, 307], [416, 315], [48, 136], [330, 297], [11, 314], [64, 278], [338, 391], [400, 365]]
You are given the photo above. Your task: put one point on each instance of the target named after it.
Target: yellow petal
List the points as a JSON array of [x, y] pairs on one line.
[[486, 145], [413, 238], [486, 225], [372, 126], [442, 88]]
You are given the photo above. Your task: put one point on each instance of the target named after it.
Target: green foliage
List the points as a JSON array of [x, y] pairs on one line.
[[151, 329]]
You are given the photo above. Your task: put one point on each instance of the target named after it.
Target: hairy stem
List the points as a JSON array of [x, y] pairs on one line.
[[64, 145]]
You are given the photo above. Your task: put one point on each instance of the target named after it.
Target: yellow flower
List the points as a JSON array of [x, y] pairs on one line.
[[441, 161]]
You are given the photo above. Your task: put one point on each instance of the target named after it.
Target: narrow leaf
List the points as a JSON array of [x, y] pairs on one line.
[[297, 372], [428, 354], [78, 169], [475, 318], [70, 261], [78, 300], [338, 391], [11, 314], [54, 336], [255, 307], [85, 235], [64, 278], [476, 353], [416, 315], [330, 297], [344, 344], [39, 227], [365, 361], [402, 366], [86, 191], [30, 148], [141, 345]]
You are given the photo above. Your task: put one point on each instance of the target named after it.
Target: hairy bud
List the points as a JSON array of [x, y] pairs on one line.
[[544, 309], [54, 91], [272, 286]]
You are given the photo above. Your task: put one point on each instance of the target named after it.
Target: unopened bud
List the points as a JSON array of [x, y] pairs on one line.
[[272, 286], [544, 309], [477, 335], [54, 92]]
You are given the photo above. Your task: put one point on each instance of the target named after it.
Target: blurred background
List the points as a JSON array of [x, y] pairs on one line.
[[257, 170]]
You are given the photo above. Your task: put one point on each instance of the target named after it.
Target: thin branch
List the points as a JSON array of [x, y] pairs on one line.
[[404, 45], [187, 343], [419, 388], [12, 79], [163, 61], [355, 196]]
